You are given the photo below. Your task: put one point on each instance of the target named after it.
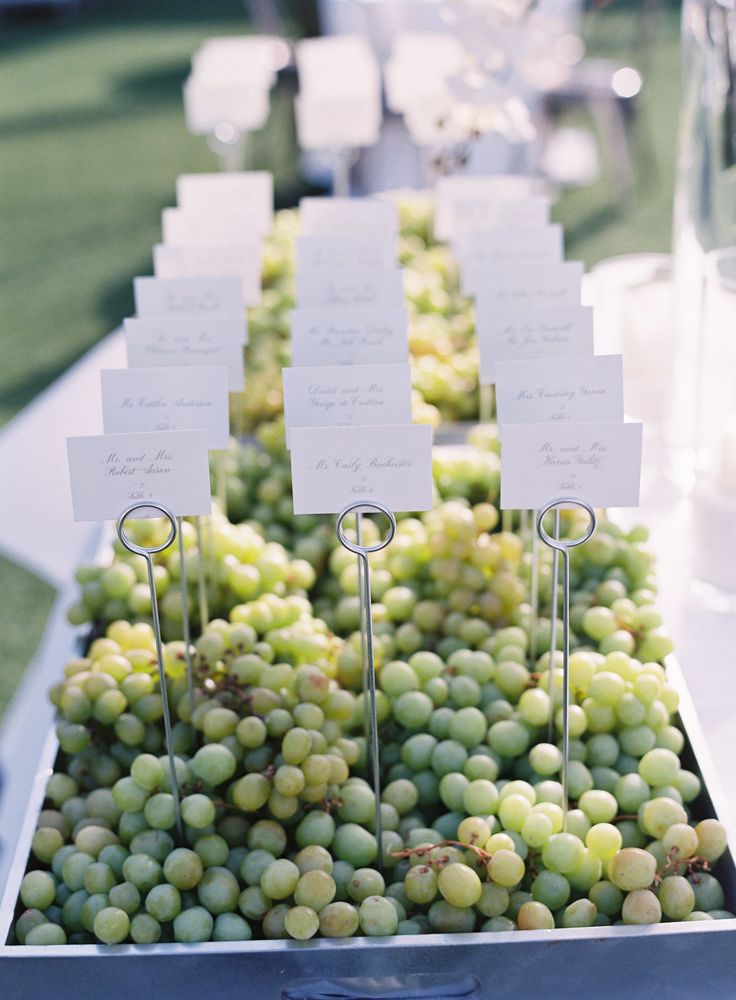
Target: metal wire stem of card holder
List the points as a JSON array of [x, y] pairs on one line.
[[360, 507], [553, 626], [533, 594], [148, 552], [185, 624], [204, 612], [563, 546]]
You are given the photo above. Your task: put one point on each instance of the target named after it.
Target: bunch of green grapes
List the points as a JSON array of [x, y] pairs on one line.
[[441, 326], [237, 561], [278, 818]]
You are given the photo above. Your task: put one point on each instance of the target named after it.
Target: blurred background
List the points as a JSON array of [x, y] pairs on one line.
[[94, 134]]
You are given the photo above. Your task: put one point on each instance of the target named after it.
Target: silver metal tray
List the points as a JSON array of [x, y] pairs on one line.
[[692, 961]]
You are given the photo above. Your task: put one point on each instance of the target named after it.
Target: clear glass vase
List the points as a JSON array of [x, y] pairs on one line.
[[704, 397], [705, 230]]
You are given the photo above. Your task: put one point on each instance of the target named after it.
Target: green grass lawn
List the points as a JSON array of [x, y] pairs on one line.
[[596, 224], [93, 137]]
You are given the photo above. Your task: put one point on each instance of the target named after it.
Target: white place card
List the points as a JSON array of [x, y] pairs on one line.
[[346, 215], [469, 214], [166, 399], [186, 227], [334, 466], [350, 286], [516, 334], [353, 336], [487, 248], [229, 261], [462, 187], [188, 296], [597, 462], [337, 122], [109, 472], [209, 102], [520, 285], [189, 341], [579, 389], [340, 250], [346, 396], [249, 190], [337, 63]]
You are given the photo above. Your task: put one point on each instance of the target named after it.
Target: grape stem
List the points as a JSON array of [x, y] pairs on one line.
[[419, 852], [694, 865]]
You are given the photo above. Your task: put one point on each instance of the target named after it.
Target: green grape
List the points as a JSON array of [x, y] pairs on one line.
[[604, 840], [688, 785], [421, 884], [72, 873], [536, 829], [156, 843], [607, 898], [712, 839], [142, 870], [213, 763], [631, 791], [598, 806], [251, 792], [632, 869], [659, 766], [581, 913], [377, 916], [26, 922], [545, 759], [676, 897], [494, 900], [46, 842], [472, 830], [508, 738], [45, 934], [563, 852], [125, 896], [480, 797], [448, 757], [641, 907], [365, 882], [316, 889], [279, 879], [218, 890], [354, 844], [145, 929], [212, 849], [479, 766], [163, 902], [338, 920], [99, 878], [452, 790], [231, 927], [587, 873], [657, 815], [637, 740], [505, 867], [500, 923], [301, 922], [551, 888], [111, 925], [358, 803], [193, 925], [459, 885], [680, 839], [535, 916], [708, 891]]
